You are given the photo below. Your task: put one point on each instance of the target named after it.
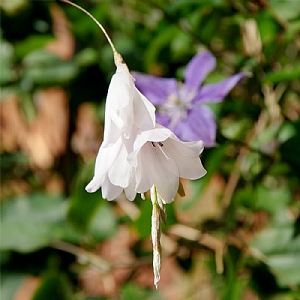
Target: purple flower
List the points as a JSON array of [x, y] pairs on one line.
[[182, 106]]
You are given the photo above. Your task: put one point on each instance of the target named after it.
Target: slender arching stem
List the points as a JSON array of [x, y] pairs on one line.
[[94, 19]]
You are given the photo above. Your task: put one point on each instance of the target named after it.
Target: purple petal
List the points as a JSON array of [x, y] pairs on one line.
[[216, 92], [197, 69], [199, 125], [156, 89]]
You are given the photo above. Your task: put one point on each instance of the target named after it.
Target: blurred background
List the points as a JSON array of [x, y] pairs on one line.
[[236, 234]]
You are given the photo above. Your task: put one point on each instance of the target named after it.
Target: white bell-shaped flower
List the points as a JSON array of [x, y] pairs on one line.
[[160, 159], [136, 152]]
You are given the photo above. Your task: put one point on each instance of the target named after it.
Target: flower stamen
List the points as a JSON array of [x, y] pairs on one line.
[[160, 144]]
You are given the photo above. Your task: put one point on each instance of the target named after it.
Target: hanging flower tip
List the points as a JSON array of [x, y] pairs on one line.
[[156, 267], [119, 60]]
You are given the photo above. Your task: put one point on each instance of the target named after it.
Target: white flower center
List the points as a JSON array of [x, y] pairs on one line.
[[177, 105]]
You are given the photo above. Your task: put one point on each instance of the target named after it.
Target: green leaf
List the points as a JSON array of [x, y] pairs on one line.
[[82, 208], [159, 42], [290, 150], [285, 9], [171, 215], [234, 285], [83, 205], [61, 73], [267, 25], [281, 250], [267, 241], [11, 160], [45, 68], [285, 74], [178, 45], [286, 296], [86, 57], [133, 292], [287, 265], [89, 212], [31, 222], [55, 285], [143, 223], [8, 90], [7, 73], [272, 199], [103, 223], [211, 164], [9, 283], [40, 57], [286, 131], [32, 43], [177, 6]]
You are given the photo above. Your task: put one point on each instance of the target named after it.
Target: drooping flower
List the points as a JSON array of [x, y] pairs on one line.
[[182, 107], [136, 152], [127, 112]]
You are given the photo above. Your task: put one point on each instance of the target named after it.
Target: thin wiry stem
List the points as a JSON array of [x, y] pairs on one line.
[[94, 19]]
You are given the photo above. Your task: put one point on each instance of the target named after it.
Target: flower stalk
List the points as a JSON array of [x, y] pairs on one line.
[[96, 21]]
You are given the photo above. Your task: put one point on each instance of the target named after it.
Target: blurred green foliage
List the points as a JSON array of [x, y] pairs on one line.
[[56, 234]]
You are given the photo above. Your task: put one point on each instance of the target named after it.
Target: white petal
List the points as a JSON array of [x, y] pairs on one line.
[[188, 149], [111, 131], [143, 178], [121, 173], [93, 186], [104, 161], [123, 119], [144, 111], [130, 191], [121, 89], [155, 169], [120, 99], [110, 191], [155, 135], [189, 166]]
